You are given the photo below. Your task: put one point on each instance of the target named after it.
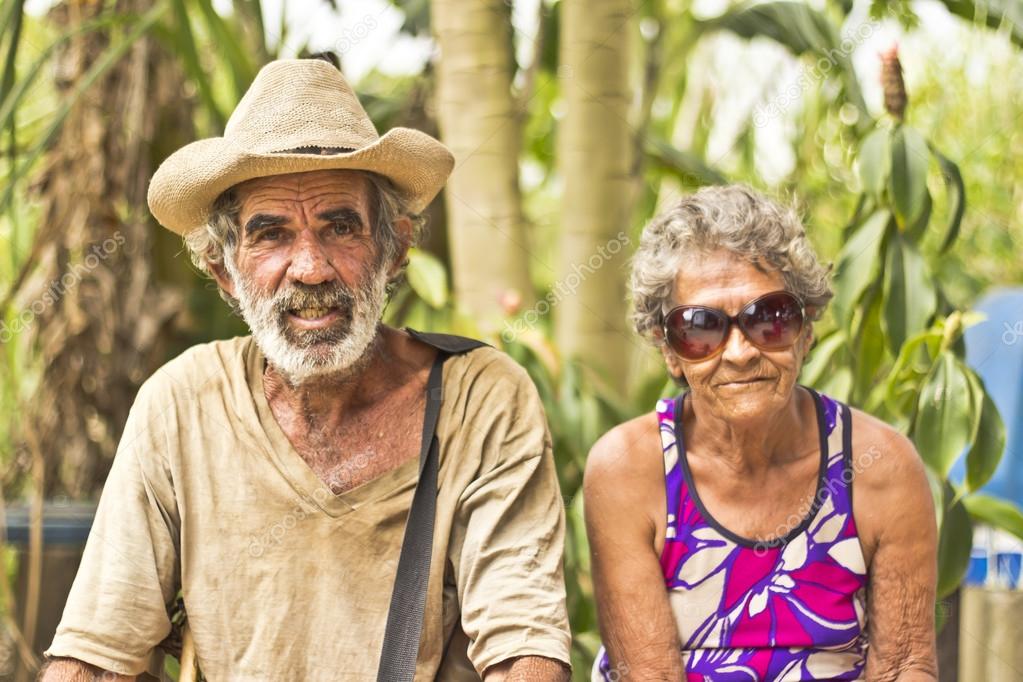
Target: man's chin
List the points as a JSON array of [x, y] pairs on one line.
[[306, 359]]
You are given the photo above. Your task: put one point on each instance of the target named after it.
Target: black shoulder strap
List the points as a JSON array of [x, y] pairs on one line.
[[448, 343], [408, 599]]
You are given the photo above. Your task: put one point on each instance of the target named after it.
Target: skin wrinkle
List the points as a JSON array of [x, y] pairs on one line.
[[528, 669], [734, 465]]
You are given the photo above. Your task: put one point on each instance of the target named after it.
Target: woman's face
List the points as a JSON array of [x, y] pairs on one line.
[[742, 383]]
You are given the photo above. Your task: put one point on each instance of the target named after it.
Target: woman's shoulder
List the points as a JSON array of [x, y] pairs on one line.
[[623, 484], [892, 493], [627, 456], [880, 452]]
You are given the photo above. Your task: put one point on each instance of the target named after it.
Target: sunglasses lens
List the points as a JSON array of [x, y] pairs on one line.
[[773, 322], [696, 333]]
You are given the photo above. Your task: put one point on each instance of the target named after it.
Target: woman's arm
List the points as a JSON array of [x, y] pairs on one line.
[[623, 490], [895, 516]]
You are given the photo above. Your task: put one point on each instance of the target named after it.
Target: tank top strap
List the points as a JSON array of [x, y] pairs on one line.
[[838, 477], [674, 478]]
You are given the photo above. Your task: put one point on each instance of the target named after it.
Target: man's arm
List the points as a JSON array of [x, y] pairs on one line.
[[508, 535], [117, 610], [73, 670], [637, 624], [895, 514], [528, 669]]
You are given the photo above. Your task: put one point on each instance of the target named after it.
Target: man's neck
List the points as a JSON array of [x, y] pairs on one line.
[[389, 361]]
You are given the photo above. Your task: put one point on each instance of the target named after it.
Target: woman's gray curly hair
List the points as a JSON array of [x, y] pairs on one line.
[[733, 218], [218, 239]]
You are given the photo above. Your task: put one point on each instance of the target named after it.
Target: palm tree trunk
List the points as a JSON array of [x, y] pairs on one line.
[[96, 314], [595, 158], [478, 120]]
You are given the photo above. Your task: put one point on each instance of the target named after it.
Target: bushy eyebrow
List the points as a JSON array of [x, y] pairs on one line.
[[262, 221], [339, 215]]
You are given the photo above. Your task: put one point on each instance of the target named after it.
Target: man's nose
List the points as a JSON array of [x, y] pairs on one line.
[[309, 261]]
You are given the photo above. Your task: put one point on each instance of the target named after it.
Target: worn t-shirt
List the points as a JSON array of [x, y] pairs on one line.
[[281, 578]]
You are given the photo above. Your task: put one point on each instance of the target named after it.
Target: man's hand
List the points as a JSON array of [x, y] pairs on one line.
[[73, 670], [528, 669]]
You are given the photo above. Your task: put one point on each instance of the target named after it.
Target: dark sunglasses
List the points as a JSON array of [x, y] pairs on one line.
[[771, 322]]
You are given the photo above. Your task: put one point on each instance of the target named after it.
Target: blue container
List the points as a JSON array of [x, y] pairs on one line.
[[994, 349], [976, 571], [1007, 568]]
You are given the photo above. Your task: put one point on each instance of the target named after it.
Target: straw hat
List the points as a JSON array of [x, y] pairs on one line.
[[298, 115]]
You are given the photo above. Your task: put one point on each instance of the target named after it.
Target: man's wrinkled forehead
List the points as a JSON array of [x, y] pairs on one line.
[[304, 194]]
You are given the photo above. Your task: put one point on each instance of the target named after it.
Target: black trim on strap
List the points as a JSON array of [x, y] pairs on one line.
[[847, 451]]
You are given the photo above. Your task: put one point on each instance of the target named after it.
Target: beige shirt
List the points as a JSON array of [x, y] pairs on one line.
[[283, 579]]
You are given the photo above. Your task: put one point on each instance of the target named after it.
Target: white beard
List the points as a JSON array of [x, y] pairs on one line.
[[298, 362]]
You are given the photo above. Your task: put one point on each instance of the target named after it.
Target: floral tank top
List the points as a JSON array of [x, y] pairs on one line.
[[791, 608]]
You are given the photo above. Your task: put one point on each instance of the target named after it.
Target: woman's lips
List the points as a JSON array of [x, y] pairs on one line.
[[739, 383]]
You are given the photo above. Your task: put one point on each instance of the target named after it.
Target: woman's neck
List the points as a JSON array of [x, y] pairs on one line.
[[749, 446]]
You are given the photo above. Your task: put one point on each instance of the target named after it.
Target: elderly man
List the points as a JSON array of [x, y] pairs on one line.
[[270, 478]]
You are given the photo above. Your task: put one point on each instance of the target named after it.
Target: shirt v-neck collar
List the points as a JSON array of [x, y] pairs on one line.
[[296, 471]]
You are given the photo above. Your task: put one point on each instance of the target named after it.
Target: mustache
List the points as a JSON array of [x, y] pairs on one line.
[[324, 295]]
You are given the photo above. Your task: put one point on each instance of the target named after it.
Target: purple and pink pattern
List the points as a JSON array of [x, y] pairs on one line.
[[789, 609]]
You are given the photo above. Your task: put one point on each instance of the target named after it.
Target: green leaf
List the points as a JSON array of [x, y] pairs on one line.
[[232, 44], [185, 46], [944, 421], [955, 540], [1005, 15], [906, 374], [909, 296], [688, 167], [427, 277], [838, 384], [995, 512], [915, 230], [821, 359], [106, 61], [859, 264], [16, 17], [803, 30], [870, 350], [956, 197], [17, 93], [988, 440], [875, 162], [908, 182]]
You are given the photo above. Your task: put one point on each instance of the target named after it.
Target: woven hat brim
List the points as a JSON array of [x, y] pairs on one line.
[[188, 182]]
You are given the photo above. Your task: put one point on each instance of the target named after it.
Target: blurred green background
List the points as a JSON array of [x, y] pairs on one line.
[[572, 122]]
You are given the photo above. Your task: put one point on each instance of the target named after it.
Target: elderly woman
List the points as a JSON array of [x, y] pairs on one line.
[[727, 543]]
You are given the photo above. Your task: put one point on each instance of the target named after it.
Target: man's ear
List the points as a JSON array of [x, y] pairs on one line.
[[222, 277], [403, 226]]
